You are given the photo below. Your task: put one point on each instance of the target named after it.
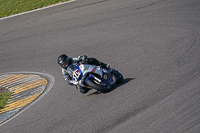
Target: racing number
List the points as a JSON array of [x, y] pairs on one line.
[[76, 74]]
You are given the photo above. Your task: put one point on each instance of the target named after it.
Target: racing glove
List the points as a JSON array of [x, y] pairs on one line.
[[82, 59], [67, 77], [71, 82]]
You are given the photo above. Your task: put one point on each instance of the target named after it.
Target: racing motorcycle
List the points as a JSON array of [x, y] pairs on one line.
[[95, 77]]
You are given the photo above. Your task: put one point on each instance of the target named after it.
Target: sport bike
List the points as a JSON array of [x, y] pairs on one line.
[[94, 77]]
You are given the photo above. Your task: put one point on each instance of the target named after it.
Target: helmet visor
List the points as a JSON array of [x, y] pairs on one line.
[[64, 64]]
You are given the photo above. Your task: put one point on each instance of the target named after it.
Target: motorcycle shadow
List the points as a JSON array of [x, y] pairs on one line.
[[114, 87]]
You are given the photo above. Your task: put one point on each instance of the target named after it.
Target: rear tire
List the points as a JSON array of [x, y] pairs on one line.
[[119, 77], [91, 83]]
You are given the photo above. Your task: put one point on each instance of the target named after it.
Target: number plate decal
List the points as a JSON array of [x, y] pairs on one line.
[[76, 74]]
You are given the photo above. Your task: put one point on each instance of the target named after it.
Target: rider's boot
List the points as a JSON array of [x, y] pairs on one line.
[[107, 66], [83, 90]]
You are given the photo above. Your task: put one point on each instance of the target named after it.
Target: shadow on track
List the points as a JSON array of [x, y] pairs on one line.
[[113, 87]]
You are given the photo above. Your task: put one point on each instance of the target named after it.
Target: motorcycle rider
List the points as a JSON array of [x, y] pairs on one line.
[[64, 61]]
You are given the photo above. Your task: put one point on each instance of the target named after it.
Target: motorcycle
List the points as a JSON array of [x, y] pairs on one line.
[[95, 77]]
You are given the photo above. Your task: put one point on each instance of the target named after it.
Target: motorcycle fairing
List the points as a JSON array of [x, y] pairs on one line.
[[84, 72]]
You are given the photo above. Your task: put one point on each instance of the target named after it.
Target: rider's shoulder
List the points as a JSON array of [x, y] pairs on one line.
[[74, 58]]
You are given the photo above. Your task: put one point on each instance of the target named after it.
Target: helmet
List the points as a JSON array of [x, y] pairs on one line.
[[63, 60]]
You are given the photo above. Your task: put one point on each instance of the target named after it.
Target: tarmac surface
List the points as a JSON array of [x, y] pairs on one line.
[[153, 43]]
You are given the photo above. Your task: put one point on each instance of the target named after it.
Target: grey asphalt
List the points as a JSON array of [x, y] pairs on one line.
[[153, 43]]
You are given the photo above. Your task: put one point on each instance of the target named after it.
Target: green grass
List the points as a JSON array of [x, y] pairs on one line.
[[4, 99], [11, 7]]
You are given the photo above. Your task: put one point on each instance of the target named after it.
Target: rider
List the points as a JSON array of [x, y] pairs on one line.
[[64, 61]]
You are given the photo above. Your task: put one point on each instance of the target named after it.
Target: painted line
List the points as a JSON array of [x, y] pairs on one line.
[[11, 78], [19, 103], [27, 88], [38, 9], [186, 51]]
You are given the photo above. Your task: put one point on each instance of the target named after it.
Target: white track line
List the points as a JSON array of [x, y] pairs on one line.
[[38, 9]]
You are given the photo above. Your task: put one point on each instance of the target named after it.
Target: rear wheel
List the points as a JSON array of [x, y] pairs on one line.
[[119, 77], [99, 87]]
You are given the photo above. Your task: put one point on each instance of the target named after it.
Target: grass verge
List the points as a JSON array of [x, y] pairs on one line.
[[4, 96], [11, 7]]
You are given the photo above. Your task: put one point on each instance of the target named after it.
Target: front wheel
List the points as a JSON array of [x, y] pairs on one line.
[[98, 87]]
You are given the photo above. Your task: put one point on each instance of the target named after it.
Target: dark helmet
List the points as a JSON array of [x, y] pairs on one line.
[[63, 60]]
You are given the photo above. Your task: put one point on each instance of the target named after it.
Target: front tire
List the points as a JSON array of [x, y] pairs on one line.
[[98, 87]]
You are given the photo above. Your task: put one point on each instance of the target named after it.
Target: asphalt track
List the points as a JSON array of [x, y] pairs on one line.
[[153, 43]]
